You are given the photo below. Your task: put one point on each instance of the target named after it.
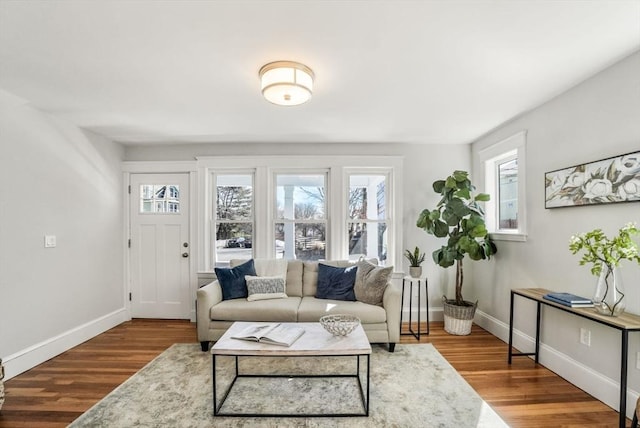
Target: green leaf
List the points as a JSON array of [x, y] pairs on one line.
[[463, 193], [451, 183], [438, 186], [440, 229], [482, 197], [424, 219], [460, 175]]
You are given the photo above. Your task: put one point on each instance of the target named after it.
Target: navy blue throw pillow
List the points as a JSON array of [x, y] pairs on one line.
[[336, 283], [232, 280]]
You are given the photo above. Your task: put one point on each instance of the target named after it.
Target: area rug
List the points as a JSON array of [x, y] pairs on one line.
[[412, 387]]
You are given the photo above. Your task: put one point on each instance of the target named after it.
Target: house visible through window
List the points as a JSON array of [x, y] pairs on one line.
[[159, 198], [234, 218], [504, 165], [508, 194], [300, 227]]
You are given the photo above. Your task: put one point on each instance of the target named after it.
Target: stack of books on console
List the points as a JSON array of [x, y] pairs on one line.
[[568, 299]]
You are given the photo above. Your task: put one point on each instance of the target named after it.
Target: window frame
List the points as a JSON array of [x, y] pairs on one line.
[[387, 173], [513, 147], [326, 174], [264, 188], [213, 218]]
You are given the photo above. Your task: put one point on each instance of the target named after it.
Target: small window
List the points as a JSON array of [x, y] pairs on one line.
[[234, 217], [300, 227], [159, 199], [367, 216], [504, 165]]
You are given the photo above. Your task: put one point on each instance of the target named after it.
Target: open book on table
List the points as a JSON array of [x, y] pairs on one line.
[[272, 333]]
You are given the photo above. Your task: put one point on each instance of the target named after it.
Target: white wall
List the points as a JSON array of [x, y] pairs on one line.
[[597, 119], [423, 164], [57, 180]]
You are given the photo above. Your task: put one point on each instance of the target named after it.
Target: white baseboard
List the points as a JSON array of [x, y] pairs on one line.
[[435, 314], [30, 357], [594, 383]]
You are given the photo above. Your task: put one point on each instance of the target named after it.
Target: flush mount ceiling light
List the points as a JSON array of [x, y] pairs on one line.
[[286, 83]]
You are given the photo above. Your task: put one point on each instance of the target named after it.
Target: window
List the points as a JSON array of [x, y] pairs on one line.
[[234, 218], [504, 165], [300, 228], [159, 198], [367, 216], [303, 207]]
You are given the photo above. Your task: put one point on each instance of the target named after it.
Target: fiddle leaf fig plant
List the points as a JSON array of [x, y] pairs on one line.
[[459, 218]]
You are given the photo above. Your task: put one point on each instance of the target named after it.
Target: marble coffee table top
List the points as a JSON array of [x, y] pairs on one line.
[[315, 341]]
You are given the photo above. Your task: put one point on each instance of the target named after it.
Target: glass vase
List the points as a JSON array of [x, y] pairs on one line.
[[609, 297]]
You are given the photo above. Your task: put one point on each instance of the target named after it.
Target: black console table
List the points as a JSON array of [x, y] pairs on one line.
[[625, 323]]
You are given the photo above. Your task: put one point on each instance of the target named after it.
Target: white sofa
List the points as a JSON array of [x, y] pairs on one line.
[[215, 316]]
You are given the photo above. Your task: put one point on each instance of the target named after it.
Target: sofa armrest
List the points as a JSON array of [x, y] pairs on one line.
[[206, 297], [392, 303]]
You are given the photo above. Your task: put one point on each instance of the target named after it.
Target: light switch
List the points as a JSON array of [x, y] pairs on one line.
[[49, 241]]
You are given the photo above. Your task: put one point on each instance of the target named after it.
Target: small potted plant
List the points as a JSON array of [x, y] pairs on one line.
[[415, 261], [459, 218], [605, 255]]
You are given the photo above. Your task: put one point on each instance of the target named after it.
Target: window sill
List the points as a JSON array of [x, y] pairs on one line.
[[508, 236]]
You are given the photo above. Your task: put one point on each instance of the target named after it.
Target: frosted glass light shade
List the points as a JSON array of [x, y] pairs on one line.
[[286, 83]]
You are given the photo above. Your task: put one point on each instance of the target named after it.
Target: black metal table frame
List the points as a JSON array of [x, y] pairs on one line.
[[426, 288], [624, 347], [364, 395]]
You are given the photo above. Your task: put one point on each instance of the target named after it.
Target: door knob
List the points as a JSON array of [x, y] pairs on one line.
[[185, 255], [185, 245]]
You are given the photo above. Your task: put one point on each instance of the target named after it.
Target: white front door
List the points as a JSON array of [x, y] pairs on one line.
[[160, 249]]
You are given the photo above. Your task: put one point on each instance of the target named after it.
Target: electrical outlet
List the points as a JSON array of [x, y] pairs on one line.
[[585, 337], [638, 360], [49, 241]]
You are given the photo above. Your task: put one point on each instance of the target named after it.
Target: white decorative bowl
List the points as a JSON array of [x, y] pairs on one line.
[[339, 324]]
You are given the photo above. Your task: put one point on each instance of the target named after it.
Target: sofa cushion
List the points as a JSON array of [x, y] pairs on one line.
[[310, 275], [371, 281], [283, 310], [336, 283], [265, 287], [232, 280], [311, 309]]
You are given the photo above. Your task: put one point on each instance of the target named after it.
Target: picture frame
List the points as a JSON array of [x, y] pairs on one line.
[[606, 181]]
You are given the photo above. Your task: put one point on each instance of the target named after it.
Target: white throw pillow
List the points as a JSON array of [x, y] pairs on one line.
[[265, 287]]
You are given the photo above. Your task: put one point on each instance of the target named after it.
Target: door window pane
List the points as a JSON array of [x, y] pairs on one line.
[[159, 199]]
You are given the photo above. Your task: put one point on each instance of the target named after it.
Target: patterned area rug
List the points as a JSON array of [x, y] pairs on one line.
[[413, 387]]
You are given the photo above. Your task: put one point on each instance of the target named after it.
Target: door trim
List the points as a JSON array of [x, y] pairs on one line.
[[150, 167]]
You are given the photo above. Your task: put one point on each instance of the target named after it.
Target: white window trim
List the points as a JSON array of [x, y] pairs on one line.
[[265, 166], [511, 147]]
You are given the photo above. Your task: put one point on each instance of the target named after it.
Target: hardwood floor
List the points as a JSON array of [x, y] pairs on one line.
[[525, 395]]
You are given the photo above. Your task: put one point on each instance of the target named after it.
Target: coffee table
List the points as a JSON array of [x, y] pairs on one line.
[[315, 342]]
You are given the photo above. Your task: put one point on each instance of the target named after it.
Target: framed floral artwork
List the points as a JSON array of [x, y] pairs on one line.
[[611, 180]]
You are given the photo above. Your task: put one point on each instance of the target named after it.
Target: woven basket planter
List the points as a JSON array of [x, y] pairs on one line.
[[458, 319], [1, 384]]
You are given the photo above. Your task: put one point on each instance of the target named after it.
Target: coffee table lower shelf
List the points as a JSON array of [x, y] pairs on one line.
[[363, 389]]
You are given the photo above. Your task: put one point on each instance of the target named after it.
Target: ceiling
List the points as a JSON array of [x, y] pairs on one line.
[[428, 72]]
